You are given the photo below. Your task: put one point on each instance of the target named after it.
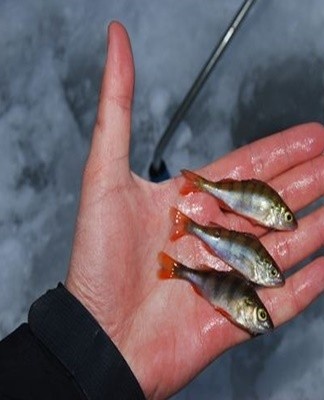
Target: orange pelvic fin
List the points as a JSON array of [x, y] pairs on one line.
[[168, 265], [193, 182], [180, 224]]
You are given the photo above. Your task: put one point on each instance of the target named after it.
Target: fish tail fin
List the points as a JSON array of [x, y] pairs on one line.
[[193, 183], [180, 224], [168, 266]]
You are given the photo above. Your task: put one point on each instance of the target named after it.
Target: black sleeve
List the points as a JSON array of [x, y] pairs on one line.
[[63, 353]]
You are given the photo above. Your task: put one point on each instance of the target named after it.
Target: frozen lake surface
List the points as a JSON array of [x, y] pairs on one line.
[[52, 55]]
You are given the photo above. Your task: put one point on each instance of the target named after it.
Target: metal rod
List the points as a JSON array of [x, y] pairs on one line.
[[198, 83]]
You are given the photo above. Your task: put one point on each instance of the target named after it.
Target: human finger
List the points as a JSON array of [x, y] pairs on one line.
[[299, 291], [302, 184], [291, 161], [110, 143], [289, 248], [270, 156]]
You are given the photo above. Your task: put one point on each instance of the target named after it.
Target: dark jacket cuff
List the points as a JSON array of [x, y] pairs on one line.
[[71, 333]]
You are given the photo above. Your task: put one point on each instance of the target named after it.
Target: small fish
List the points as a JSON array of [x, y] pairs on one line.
[[242, 251], [230, 294], [251, 198]]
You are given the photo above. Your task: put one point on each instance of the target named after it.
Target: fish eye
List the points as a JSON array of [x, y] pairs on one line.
[[262, 315], [288, 216], [273, 272]]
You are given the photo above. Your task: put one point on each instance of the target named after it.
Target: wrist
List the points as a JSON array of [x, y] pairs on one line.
[[84, 294], [71, 333]]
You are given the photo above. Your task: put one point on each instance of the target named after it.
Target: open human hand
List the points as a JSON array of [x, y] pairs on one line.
[[166, 332]]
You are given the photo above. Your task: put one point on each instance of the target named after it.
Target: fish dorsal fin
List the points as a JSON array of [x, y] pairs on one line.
[[227, 180], [250, 235], [251, 180], [232, 180], [217, 225]]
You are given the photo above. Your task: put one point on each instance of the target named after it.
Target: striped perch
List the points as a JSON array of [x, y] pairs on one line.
[[251, 198], [242, 251], [228, 293]]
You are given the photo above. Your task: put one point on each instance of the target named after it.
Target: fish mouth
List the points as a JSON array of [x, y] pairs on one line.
[[291, 226], [284, 225], [278, 282], [267, 327], [273, 282], [270, 325], [294, 226], [261, 331]]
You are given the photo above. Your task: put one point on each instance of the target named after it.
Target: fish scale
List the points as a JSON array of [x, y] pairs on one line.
[[226, 291], [229, 292], [250, 198], [242, 251]]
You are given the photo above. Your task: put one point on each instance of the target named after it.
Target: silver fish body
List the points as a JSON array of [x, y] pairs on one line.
[[242, 251], [251, 198], [230, 294]]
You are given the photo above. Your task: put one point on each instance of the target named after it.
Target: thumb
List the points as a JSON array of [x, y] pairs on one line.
[[111, 136]]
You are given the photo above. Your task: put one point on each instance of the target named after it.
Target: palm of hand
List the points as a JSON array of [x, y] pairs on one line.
[[167, 333]]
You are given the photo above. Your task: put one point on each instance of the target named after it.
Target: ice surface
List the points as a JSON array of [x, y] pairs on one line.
[[51, 63], [304, 383]]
